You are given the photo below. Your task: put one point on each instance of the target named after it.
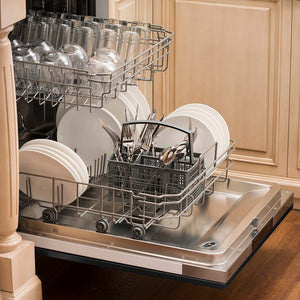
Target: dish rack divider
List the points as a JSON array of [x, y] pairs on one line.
[[121, 205]]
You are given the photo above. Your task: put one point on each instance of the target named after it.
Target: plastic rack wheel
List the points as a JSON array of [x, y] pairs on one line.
[[138, 232], [102, 225], [49, 215]]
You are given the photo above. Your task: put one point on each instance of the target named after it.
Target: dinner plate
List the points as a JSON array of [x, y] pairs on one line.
[[65, 159], [215, 114], [209, 122], [140, 98], [117, 108], [131, 97], [68, 151], [205, 137], [38, 162], [83, 131], [58, 157], [63, 108]]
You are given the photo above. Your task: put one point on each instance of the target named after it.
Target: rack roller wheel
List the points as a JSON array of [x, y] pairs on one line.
[[49, 215], [138, 232], [102, 225]]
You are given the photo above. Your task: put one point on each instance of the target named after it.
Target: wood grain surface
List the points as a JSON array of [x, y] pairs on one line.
[[272, 273]]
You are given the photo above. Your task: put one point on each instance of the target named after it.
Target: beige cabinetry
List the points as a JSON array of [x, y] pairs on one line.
[[235, 57], [294, 117], [242, 58]]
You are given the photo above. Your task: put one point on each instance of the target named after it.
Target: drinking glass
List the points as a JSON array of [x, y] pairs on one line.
[[76, 54], [26, 30], [26, 75], [63, 35], [41, 31], [143, 29], [53, 29], [16, 44], [101, 67], [55, 75], [83, 36], [105, 38], [42, 47], [128, 47], [112, 54], [116, 59]]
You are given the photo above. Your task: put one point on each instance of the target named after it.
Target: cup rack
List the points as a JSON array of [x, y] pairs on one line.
[[79, 88], [121, 205]]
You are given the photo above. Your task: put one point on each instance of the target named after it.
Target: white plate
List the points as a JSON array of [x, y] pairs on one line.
[[58, 157], [220, 120], [65, 159], [66, 150], [38, 162], [83, 131], [117, 108], [205, 137], [136, 103], [62, 109], [140, 98], [210, 123]]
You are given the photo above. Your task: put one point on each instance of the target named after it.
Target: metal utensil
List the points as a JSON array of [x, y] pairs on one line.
[[177, 152], [114, 137]]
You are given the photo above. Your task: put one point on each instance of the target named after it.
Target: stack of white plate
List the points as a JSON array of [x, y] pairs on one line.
[[52, 159], [211, 128], [81, 129]]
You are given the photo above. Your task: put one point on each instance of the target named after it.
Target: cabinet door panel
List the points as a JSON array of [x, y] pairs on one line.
[[235, 57]]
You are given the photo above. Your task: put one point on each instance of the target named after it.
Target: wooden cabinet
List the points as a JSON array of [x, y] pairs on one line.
[[294, 117], [241, 57], [235, 57]]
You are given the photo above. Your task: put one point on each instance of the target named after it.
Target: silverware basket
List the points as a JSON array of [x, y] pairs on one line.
[[149, 177]]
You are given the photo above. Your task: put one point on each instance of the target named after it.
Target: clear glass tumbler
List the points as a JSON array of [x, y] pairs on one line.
[[83, 36]]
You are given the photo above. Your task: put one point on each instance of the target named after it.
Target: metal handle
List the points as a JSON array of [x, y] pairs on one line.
[[160, 123]]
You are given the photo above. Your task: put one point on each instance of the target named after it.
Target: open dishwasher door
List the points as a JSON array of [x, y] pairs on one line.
[[209, 247]]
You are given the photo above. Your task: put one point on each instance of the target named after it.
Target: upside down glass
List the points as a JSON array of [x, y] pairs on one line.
[[105, 38], [76, 54], [26, 74], [83, 36], [63, 35], [55, 74], [143, 29], [128, 49], [101, 68]]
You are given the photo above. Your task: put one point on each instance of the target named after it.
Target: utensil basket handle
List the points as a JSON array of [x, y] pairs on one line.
[[160, 123]]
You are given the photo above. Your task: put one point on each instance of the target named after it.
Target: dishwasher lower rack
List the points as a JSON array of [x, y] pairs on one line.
[[120, 205]]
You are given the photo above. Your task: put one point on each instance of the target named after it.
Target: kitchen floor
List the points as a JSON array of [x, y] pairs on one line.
[[272, 273]]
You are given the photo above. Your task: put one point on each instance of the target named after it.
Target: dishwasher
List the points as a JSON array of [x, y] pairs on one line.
[[183, 223]]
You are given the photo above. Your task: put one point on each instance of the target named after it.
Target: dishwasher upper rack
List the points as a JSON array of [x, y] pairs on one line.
[[79, 88], [119, 205]]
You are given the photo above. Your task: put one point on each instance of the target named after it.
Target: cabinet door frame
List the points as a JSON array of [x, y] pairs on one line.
[[274, 161], [294, 117]]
